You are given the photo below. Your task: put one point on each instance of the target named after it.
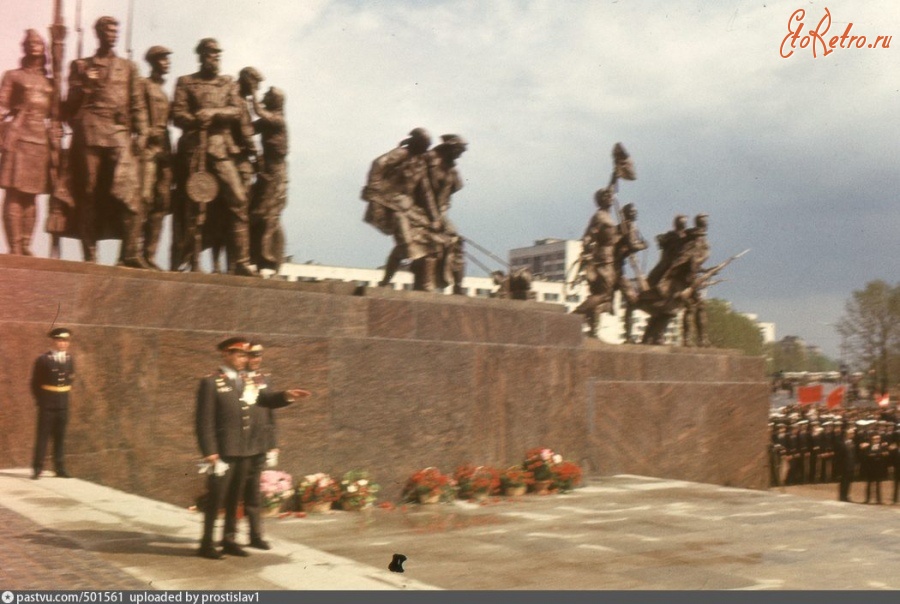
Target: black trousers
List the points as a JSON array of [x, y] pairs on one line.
[[846, 481], [51, 424], [240, 483]]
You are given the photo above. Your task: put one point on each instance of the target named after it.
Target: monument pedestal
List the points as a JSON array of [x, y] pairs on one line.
[[401, 381]]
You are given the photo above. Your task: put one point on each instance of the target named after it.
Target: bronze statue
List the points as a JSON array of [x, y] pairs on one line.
[[249, 79], [25, 142], [270, 191], [106, 110], [513, 286], [444, 180], [156, 159], [670, 245], [401, 203], [598, 260], [207, 108], [694, 317], [629, 243]]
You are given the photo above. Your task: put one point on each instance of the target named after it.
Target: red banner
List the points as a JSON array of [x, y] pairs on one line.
[[836, 397], [807, 395]]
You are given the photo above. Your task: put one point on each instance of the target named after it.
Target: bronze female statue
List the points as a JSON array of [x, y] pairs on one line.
[[25, 143]]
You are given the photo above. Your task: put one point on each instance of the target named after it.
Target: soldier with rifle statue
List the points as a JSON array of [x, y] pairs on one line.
[[156, 157]]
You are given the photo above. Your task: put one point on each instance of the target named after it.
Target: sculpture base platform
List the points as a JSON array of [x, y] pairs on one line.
[[401, 381]]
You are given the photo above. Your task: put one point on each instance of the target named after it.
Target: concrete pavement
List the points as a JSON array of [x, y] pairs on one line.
[[617, 533]]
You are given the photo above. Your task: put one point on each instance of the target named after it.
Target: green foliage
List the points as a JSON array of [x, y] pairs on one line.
[[870, 331], [728, 329]]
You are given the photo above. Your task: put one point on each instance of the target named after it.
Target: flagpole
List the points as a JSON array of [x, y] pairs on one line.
[[130, 28], [78, 30]]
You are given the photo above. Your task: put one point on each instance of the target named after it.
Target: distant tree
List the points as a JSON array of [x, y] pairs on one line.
[[728, 329], [870, 328], [792, 354]]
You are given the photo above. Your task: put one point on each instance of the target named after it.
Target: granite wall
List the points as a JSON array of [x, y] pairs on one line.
[[401, 380]]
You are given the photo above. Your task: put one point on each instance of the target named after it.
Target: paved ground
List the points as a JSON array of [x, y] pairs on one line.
[[622, 532]]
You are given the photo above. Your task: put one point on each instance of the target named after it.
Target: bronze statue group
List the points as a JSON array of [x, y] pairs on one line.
[[676, 284], [121, 175], [408, 193], [225, 184]]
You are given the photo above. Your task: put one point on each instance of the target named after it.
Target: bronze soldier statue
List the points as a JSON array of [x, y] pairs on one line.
[[270, 190], [598, 260], [670, 245], [156, 159], [207, 108], [629, 243], [106, 109], [402, 203], [696, 252], [249, 79], [25, 142], [445, 180]]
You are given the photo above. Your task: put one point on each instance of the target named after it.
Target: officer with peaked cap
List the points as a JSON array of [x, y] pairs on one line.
[[232, 428], [51, 381]]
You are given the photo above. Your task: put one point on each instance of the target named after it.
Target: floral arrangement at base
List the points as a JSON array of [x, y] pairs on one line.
[[429, 486], [540, 461], [319, 489], [276, 488], [357, 490], [515, 480], [476, 482], [566, 476]]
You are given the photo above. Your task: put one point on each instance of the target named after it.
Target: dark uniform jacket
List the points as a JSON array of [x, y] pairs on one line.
[[228, 426], [51, 381]]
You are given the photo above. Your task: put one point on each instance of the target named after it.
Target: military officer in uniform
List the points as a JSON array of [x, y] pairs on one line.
[[156, 159], [106, 110], [207, 107], [252, 495], [51, 381], [232, 427]]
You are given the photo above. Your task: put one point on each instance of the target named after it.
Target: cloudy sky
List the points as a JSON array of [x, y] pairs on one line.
[[792, 157]]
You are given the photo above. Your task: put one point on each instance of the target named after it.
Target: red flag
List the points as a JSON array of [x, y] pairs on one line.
[[835, 397], [883, 400], [807, 395]]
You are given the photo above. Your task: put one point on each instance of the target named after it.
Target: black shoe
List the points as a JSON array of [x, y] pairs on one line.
[[63, 474], [35, 476], [136, 262], [258, 543], [233, 549], [210, 552]]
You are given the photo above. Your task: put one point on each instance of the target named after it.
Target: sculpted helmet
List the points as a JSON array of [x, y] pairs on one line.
[[156, 51], [274, 98], [208, 46]]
